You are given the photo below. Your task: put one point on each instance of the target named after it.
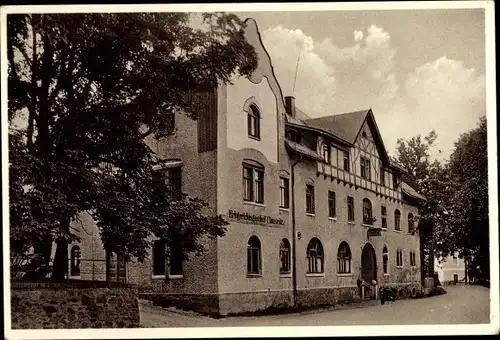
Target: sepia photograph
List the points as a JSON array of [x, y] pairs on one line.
[[236, 170]]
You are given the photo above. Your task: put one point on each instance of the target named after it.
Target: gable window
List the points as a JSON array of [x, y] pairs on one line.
[[350, 209], [385, 260], [384, 216], [399, 258], [367, 212], [253, 256], [253, 122], [284, 193], [76, 256], [326, 153], [365, 168], [455, 260], [344, 258], [309, 199], [411, 227], [284, 256], [397, 220], [314, 256], [253, 184], [346, 161], [382, 176], [395, 181], [175, 258], [159, 256], [331, 204]]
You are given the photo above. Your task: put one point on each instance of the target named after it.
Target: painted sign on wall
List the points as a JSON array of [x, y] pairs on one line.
[[252, 218]]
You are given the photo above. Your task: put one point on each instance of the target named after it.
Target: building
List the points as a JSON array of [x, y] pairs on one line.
[[317, 209], [450, 269]]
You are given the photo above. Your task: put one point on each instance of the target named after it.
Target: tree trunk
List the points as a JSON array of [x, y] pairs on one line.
[[60, 267]]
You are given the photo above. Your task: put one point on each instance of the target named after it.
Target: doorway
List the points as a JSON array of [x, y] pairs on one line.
[[368, 270], [115, 268]]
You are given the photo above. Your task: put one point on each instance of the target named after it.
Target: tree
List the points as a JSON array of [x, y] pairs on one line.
[[92, 87], [469, 205], [431, 179]]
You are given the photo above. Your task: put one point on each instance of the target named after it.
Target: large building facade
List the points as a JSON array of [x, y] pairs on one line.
[[316, 208]]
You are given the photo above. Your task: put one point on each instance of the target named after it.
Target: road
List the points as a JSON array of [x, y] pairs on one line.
[[461, 305]]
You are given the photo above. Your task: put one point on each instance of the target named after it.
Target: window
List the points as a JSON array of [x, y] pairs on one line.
[[385, 260], [395, 182], [384, 217], [284, 256], [410, 223], [295, 136], [382, 176], [326, 153], [399, 258], [413, 262], [309, 199], [344, 259], [331, 204], [159, 256], [76, 256], [174, 178], [365, 168], [253, 122], [284, 193], [367, 212], [175, 257], [314, 257], [397, 220], [346, 161], [350, 209], [253, 184], [253, 256], [455, 260]]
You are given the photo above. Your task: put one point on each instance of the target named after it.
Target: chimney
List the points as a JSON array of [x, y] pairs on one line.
[[290, 105]]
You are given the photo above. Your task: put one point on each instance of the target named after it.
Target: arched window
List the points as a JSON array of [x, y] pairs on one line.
[[410, 223], [284, 256], [367, 212], [315, 257], [385, 260], [76, 256], [253, 256], [344, 258], [397, 220], [399, 258], [413, 259], [253, 122]]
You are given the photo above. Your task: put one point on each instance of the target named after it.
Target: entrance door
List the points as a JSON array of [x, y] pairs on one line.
[[368, 269], [115, 268]]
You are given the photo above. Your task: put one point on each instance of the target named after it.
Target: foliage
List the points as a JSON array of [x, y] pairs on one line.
[[92, 88]]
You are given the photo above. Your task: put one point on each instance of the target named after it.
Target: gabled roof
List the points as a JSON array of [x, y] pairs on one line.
[[345, 126]]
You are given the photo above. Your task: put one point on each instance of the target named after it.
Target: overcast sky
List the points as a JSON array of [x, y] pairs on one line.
[[417, 69]]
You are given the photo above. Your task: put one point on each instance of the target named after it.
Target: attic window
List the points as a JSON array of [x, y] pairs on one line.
[[363, 134]]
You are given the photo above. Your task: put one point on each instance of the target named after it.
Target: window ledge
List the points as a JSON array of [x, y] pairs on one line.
[[284, 209], [383, 229], [344, 274], [368, 225], [254, 137], [175, 276], [286, 275], [310, 214], [75, 277], [332, 218], [351, 222], [399, 267], [255, 204], [398, 231], [315, 274], [387, 274], [158, 277], [254, 276]]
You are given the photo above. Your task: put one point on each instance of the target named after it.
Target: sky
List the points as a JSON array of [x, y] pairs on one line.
[[417, 70]]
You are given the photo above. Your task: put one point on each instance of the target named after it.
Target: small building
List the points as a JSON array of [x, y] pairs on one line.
[[318, 212], [450, 269]]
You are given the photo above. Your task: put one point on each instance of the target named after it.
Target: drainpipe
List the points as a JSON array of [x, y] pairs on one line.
[[294, 235]]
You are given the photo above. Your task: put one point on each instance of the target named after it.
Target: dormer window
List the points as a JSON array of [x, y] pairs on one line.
[[295, 136], [253, 122]]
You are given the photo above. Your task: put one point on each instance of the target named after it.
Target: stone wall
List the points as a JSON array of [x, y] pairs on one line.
[[37, 306]]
